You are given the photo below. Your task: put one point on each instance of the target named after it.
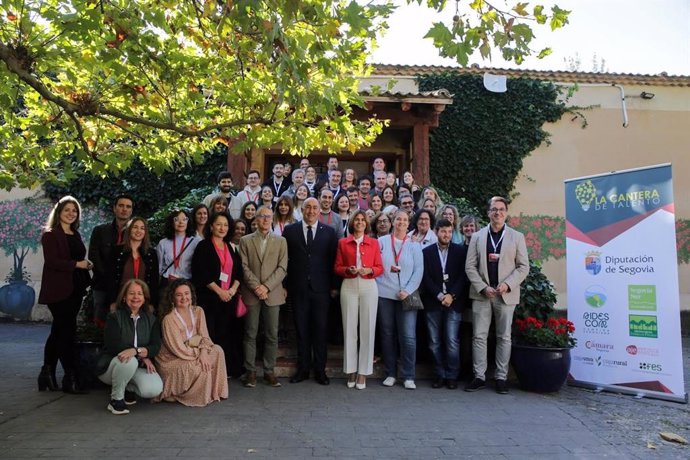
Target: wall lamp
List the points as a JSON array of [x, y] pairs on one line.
[[646, 95]]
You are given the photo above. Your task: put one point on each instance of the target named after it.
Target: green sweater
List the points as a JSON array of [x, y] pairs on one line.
[[119, 335]]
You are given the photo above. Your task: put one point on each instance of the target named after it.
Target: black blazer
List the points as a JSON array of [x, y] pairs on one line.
[[281, 188], [310, 269], [206, 270], [57, 280], [102, 244], [432, 281], [118, 258]]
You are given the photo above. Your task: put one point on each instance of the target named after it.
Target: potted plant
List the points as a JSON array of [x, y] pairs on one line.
[[542, 339]]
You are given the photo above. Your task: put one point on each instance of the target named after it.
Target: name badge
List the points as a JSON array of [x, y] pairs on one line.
[[493, 257], [445, 277], [224, 277], [395, 269]]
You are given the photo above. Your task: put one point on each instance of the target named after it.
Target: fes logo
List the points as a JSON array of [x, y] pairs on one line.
[[593, 262], [585, 192]]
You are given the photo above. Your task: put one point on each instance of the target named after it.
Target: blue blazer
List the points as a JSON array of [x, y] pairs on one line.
[[432, 281], [310, 269]]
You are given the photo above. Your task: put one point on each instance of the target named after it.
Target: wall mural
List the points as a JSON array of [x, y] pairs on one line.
[[20, 241]]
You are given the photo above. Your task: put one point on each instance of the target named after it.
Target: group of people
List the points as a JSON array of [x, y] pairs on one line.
[[184, 316]]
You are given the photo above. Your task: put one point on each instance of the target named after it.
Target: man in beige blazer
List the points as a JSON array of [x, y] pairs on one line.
[[264, 262], [496, 265]]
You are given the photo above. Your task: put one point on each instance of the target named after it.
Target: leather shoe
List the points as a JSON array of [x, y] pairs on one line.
[[452, 384], [437, 383], [250, 380], [300, 376], [271, 380], [322, 379]]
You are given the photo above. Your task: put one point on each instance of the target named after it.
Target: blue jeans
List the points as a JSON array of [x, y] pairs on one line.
[[444, 341], [398, 328]]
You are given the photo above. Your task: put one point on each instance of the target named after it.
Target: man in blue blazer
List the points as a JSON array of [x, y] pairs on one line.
[[311, 257], [444, 288]]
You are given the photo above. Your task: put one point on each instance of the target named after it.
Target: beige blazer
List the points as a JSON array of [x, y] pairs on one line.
[[268, 270], [513, 266]]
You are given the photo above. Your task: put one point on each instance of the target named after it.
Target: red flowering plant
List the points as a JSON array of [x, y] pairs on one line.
[[552, 333]]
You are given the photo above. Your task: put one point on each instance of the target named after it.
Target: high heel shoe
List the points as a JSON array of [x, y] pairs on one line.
[[351, 381], [47, 380], [70, 384], [361, 386]]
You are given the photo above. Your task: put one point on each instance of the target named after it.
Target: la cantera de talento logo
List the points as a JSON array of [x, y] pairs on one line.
[[586, 195]]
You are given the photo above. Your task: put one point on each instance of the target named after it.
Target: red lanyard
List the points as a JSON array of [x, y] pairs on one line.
[[176, 260], [397, 256], [330, 217], [282, 226], [249, 196], [136, 261]]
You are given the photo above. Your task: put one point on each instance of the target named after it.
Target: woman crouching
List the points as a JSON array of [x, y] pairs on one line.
[[192, 367], [132, 340]]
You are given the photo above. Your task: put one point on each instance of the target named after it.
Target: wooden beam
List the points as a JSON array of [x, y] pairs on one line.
[[420, 153]]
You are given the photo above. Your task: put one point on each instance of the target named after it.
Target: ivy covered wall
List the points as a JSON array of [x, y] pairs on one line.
[[477, 150]]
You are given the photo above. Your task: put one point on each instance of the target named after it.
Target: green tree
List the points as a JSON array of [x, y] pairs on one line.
[[164, 81]]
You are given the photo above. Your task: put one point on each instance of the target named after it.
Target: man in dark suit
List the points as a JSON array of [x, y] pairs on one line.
[[103, 242], [311, 255], [443, 293]]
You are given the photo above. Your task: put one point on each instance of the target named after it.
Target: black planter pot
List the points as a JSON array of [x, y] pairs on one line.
[[541, 370], [86, 354]]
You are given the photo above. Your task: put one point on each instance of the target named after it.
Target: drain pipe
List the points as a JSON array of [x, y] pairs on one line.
[[622, 93]]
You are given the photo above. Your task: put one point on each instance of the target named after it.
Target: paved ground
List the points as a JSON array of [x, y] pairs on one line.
[[307, 420]]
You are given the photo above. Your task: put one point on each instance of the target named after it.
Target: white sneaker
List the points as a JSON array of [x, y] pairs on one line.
[[389, 382], [409, 385]]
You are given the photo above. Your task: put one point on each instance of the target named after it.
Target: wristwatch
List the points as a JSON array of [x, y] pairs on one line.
[[139, 351]]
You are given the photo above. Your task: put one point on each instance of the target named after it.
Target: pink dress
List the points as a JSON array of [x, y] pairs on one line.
[[178, 364]]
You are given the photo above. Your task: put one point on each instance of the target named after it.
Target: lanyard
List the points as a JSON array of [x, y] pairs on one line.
[[330, 218], [251, 195], [444, 258], [494, 243], [135, 319], [276, 186], [136, 262], [176, 260], [282, 227], [397, 256], [188, 333]]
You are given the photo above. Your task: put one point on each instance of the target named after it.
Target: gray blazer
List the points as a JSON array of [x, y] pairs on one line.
[[513, 266], [268, 270]]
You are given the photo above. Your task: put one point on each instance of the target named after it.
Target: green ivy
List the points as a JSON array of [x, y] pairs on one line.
[[150, 191], [482, 138]]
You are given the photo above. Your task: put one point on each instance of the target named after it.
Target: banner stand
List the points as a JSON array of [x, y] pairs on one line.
[[622, 275], [638, 394]]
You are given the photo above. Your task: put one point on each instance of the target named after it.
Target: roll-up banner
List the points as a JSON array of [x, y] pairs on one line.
[[622, 272]]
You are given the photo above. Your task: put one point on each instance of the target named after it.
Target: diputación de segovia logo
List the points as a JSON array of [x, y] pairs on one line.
[[593, 262]]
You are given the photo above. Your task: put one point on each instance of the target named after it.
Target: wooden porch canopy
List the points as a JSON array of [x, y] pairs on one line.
[[418, 111]]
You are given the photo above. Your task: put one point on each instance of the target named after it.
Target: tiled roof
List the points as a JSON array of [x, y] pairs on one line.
[[432, 96], [661, 79]]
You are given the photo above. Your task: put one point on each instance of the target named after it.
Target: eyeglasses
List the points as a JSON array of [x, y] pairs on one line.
[[264, 217], [497, 210], [406, 203], [181, 219]]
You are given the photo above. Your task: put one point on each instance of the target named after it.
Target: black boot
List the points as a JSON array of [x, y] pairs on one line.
[[71, 385], [46, 379]]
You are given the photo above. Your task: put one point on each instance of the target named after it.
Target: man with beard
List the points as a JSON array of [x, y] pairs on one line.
[[224, 188]]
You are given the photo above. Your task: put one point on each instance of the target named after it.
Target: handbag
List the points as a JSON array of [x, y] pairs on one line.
[[241, 308], [412, 302]]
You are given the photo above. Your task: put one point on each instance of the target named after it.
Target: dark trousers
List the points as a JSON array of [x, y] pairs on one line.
[[310, 310], [218, 324], [60, 343]]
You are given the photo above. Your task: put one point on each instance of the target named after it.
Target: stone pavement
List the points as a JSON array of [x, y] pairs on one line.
[[306, 420]]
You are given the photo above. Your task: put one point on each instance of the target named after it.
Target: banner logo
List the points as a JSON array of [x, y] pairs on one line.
[[585, 192], [643, 326], [642, 297], [596, 323], [595, 296], [593, 262], [654, 367]]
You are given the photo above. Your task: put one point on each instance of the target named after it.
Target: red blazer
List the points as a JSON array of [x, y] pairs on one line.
[[346, 257], [56, 282]]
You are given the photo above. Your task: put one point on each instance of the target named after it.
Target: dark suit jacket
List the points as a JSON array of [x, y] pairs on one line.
[[310, 269], [432, 281], [206, 270], [118, 258], [58, 267], [101, 247], [281, 189]]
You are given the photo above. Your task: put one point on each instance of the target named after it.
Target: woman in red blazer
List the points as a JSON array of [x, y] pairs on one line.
[[64, 282], [358, 261]]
